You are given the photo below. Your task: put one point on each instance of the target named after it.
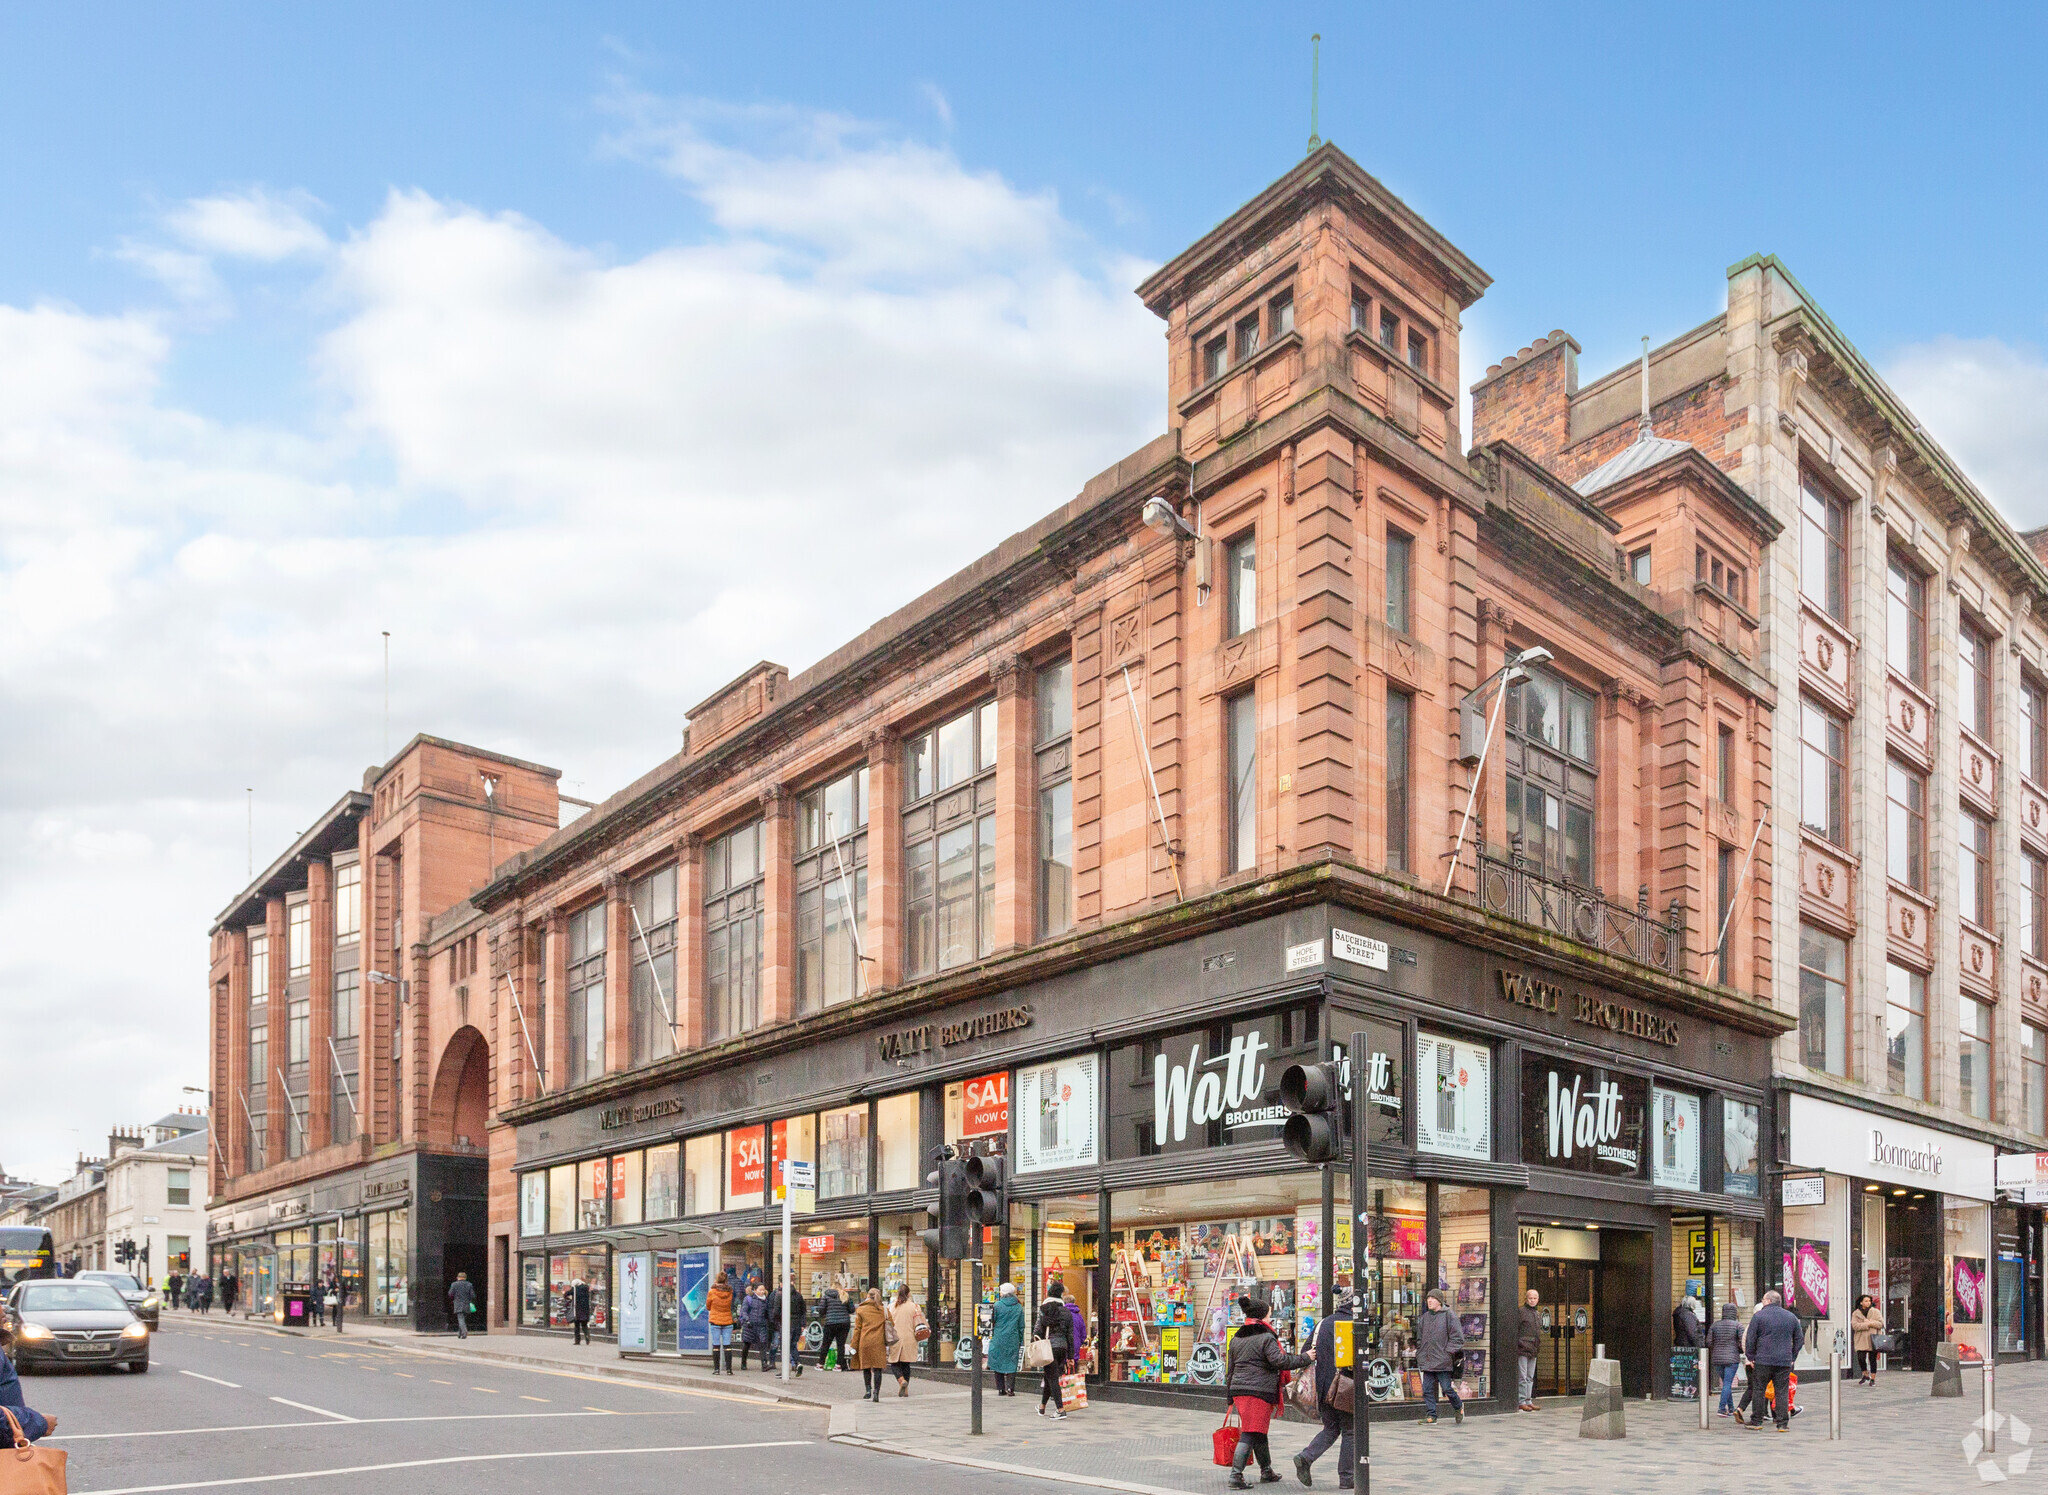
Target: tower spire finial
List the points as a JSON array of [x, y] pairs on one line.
[[1315, 89], [1643, 431]]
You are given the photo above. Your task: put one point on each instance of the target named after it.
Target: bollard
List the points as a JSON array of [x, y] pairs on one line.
[[1835, 1397], [1703, 1388], [1990, 1409]]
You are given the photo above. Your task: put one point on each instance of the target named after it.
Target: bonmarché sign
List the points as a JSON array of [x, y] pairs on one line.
[[931, 1037], [1594, 1012]]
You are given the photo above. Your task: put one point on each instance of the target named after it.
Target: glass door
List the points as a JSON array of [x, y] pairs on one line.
[[1564, 1293], [666, 1320]]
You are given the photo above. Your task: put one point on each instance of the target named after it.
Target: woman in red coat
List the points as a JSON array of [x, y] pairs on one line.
[[1253, 1377]]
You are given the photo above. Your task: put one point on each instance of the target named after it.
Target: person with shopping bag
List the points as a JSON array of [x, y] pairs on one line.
[[1051, 1343], [1253, 1377], [1006, 1339], [907, 1332], [1333, 1390]]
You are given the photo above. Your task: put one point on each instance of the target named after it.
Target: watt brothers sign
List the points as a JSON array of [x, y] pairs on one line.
[[932, 1037], [1594, 1012]]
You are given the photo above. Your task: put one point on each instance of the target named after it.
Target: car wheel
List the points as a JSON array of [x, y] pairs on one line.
[[140, 1367]]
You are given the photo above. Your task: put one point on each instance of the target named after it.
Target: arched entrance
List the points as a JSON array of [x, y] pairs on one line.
[[459, 1108]]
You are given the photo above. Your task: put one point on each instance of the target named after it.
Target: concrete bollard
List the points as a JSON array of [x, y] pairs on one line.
[[1603, 1415], [1948, 1372]]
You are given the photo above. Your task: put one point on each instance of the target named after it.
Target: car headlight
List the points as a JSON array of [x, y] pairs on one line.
[[35, 1331], [136, 1331], [152, 1301]]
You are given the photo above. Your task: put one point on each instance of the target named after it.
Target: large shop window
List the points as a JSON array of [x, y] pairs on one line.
[[1741, 1139], [1967, 1279], [1207, 1086], [562, 1199], [745, 1167], [1054, 762], [627, 1178], [949, 843], [831, 892], [593, 1190], [733, 883], [1823, 1000], [664, 1182], [533, 1204], [565, 1270], [651, 902], [897, 1152], [704, 1175], [843, 1152], [1399, 1274], [386, 1235], [586, 993], [1552, 781]]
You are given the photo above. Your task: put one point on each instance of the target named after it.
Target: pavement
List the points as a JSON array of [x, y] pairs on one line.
[[1895, 1437]]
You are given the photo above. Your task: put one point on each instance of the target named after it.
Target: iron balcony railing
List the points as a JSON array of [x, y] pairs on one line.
[[1514, 889]]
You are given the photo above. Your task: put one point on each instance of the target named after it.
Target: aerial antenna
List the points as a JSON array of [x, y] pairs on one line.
[[252, 830], [387, 695], [1315, 88], [1643, 432]]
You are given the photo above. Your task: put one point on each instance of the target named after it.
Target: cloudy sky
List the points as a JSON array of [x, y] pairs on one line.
[[598, 351]]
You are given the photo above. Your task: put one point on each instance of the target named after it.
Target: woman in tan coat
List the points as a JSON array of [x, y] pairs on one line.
[[1866, 1323], [869, 1340], [905, 1319]]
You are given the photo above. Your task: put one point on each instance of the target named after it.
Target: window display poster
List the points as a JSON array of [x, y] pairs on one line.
[[1582, 1117], [1272, 1236], [693, 1290], [1056, 1115], [1382, 1073], [1675, 1163], [978, 1107], [1472, 1254], [745, 1165], [1455, 1114], [1739, 1130], [1213, 1085], [636, 1303], [1806, 1273], [1967, 1274]]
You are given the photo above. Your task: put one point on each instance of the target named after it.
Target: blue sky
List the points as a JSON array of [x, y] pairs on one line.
[[597, 351]]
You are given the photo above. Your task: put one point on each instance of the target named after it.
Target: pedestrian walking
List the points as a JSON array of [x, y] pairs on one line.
[[1866, 1322], [1724, 1354], [1056, 1327], [205, 1294], [718, 1309], [906, 1334], [1006, 1339], [1334, 1403], [174, 1284], [1688, 1331], [1253, 1375], [579, 1312], [230, 1289], [1528, 1345], [461, 1302], [318, 1305], [339, 1301], [1771, 1345], [870, 1335], [754, 1331], [795, 1318], [1439, 1355], [835, 1313]]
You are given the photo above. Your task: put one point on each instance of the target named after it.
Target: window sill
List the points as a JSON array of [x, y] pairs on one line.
[[1357, 338], [1258, 360]]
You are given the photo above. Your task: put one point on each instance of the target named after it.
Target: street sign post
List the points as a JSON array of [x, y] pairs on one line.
[[1361, 1240], [799, 1196]]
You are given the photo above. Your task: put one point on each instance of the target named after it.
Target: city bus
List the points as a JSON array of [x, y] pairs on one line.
[[26, 1251]]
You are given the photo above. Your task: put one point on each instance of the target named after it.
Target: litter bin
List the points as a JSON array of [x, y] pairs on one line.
[[294, 1305]]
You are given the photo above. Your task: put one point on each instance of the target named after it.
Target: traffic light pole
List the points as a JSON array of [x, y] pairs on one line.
[[972, 1315], [1362, 1337]]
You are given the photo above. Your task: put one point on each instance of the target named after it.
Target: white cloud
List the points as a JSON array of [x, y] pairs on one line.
[[1982, 399], [601, 487]]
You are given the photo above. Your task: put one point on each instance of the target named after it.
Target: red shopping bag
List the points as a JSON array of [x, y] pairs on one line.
[[1224, 1440]]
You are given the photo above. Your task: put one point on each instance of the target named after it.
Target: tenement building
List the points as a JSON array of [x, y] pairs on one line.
[[349, 1093], [1298, 723], [1909, 922]]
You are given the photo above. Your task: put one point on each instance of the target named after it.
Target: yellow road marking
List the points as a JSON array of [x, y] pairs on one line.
[[525, 1398]]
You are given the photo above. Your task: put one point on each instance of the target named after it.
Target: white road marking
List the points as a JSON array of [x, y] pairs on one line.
[[267, 1427], [473, 1458], [233, 1385], [317, 1411]]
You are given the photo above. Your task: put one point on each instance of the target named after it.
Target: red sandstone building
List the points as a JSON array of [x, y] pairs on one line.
[[1069, 857]]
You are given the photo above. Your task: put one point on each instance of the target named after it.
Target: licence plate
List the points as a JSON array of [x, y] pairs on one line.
[[89, 1349]]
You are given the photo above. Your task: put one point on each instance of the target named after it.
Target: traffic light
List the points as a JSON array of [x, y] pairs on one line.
[[987, 1204], [124, 1252], [1312, 1092], [953, 1239]]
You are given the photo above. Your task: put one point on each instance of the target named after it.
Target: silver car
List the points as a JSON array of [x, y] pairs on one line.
[[64, 1321]]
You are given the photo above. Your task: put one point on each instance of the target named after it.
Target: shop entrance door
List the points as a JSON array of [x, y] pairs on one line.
[[667, 1322], [1564, 1303]]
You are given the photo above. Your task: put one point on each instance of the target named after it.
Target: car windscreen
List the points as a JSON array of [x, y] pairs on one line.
[[120, 1282], [69, 1297]]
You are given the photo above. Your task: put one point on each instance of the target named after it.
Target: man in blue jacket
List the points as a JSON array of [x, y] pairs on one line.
[[1771, 1346]]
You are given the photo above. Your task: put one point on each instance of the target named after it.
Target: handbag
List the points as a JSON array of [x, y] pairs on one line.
[[1301, 1390], [1884, 1344], [889, 1335], [30, 1470], [1223, 1442], [1038, 1354], [1343, 1393], [924, 1330]]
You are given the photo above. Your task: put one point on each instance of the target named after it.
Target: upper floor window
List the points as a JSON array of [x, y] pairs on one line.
[[1551, 776], [1055, 766], [1400, 571], [1639, 566], [2034, 1078], [1905, 835], [1724, 577], [831, 891], [734, 880], [1390, 330], [586, 992], [2034, 906], [1241, 745], [651, 991], [1973, 869], [1724, 765], [1418, 352], [2034, 722], [1973, 679], [1247, 337], [1823, 549], [949, 843], [1215, 359], [1823, 1001], [177, 1186], [1361, 311], [1905, 1031], [1241, 568], [348, 902], [1905, 620], [1823, 771], [298, 1032], [1400, 730], [259, 967], [1280, 315], [347, 998], [1973, 1054]]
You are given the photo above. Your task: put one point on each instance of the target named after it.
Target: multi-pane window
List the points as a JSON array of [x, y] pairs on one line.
[[1724, 577], [1215, 359], [1973, 1057], [255, 1123], [1054, 761], [1280, 315], [1973, 679], [586, 993], [1905, 1032], [1400, 752], [177, 1186], [1241, 576], [1247, 337], [651, 992], [1724, 765], [259, 966], [1823, 771], [1823, 1000], [2034, 906], [1823, 549], [346, 1096], [1400, 581], [1973, 869], [298, 939], [298, 1029], [2034, 1078], [1390, 329], [1639, 567], [348, 902], [1241, 812], [1905, 825], [1905, 620], [2034, 723], [1361, 310], [949, 843], [831, 891], [1724, 904], [347, 996], [259, 1009], [1551, 775], [734, 882]]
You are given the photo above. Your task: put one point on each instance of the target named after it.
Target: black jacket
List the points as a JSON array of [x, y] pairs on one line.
[[1529, 1332], [1256, 1362], [461, 1296], [1685, 1327], [1056, 1325], [834, 1311], [1774, 1337], [579, 1303], [1724, 1339], [1326, 1368]]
